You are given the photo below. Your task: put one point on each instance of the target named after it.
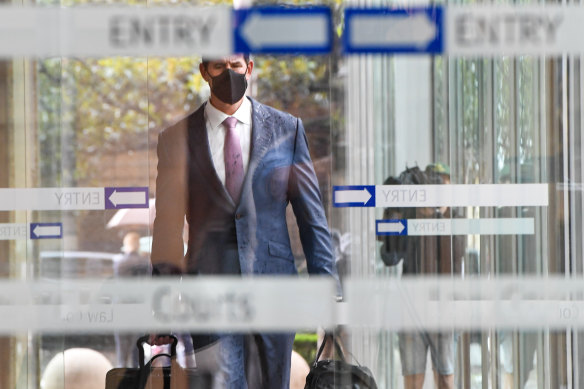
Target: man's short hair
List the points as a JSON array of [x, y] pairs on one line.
[[438, 168], [205, 60]]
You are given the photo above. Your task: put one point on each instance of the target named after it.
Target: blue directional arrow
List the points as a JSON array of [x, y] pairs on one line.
[[354, 196], [126, 197], [46, 230], [283, 30], [383, 30], [391, 227]]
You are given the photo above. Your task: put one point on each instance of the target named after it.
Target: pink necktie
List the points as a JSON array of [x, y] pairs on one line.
[[233, 160]]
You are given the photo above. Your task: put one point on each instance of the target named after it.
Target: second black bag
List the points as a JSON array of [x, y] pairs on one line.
[[338, 374]]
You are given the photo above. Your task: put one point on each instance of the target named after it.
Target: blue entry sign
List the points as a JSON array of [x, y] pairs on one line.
[[391, 227], [126, 197], [46, 230], [442, 227], [383, 30], [354, 196], [283, 30]]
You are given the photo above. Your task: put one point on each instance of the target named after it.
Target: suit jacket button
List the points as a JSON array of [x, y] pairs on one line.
[[238, 216]]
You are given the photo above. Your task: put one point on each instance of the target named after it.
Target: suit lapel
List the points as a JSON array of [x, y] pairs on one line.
[[261, 133], [261, 136], [200, 152]]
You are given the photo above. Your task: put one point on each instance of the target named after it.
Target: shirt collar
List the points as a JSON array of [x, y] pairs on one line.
[[216, 117]]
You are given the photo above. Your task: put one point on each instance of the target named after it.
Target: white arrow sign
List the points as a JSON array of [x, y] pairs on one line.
[[392, 30], [13, 231], [264, 30], [459, 195], [127, 198], [352, 196], [112, 30], [45, 199], [519, 29], [438, 227], [394, 227], [41, 231], [17, 231]]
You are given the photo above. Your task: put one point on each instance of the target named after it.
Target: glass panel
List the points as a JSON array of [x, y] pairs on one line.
[[75, 124]]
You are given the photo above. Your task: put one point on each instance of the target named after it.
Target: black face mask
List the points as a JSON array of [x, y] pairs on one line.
[[229, 86]]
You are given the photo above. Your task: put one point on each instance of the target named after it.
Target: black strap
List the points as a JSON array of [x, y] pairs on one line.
[[145, 339], [145, 372], [149, 364], [320, 350], [337, 348]]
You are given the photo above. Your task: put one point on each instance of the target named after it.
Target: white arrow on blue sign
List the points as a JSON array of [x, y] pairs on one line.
[[283, 30], [128, 197], [383, 30], [391, 227], [354, 196], [440, 227], [45, 199], [46, 230]]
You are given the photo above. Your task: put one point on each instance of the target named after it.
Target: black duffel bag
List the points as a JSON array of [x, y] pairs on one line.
[[338, 374]]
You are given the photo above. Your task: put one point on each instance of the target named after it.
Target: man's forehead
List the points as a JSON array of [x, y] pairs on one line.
[[228, 59]]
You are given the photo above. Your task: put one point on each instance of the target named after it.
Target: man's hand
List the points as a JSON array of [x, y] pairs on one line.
[[160, 339]]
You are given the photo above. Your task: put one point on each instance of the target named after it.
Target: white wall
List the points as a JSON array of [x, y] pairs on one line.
[[413, 142]]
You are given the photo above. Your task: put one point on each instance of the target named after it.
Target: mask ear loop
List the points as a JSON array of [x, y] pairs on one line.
[[246, 80]]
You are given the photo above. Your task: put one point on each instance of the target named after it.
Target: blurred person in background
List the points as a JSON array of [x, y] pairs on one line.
[[425, 255], [517, 255]]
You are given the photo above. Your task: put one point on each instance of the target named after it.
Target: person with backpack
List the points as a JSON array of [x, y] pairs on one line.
[[423, 256]]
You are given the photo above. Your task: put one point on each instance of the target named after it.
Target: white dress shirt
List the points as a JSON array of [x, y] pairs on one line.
[[216, 134]]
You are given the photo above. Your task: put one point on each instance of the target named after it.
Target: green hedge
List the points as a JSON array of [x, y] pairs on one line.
[[305, 345]]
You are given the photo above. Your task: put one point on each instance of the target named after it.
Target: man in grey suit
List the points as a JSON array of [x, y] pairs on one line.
[[231, 168]]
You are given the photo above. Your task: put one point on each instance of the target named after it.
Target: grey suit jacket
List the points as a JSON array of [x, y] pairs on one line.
[[280, 171]]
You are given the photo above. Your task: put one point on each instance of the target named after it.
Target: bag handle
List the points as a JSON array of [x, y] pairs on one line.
[[337, 348], [146, 369], [145, 372], [151, 361], [144, 339]]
